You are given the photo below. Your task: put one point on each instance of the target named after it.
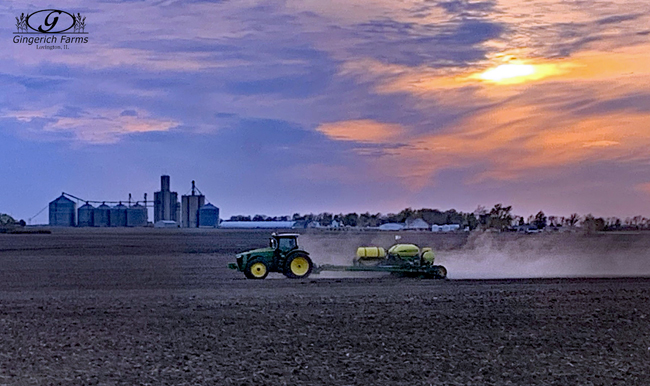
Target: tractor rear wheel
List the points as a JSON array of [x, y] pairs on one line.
[[298, 266], [256, 269]]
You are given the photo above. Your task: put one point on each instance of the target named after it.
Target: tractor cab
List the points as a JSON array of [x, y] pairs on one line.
[[284, 242]]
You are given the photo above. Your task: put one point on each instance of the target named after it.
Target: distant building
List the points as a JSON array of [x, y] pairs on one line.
[[445, 228], [63, 212], [391, 226], [526, 228], [190, 206], [166, 224], [257, 224], [417, 224], [208, 216], [166, 206]]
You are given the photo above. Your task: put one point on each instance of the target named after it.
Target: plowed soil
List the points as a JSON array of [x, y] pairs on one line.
[[159, 307]]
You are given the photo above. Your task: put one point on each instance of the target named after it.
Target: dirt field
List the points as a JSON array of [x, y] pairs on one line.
[[159, 307]]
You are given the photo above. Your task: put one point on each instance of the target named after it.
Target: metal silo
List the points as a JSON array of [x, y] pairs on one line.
[[86, 215], [63, 212], [136, 216], [102, 216], [166, 206], [208, 216], [118, 215], [190, 208]]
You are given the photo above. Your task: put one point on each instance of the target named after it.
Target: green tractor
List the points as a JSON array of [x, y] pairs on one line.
[[283, 255]]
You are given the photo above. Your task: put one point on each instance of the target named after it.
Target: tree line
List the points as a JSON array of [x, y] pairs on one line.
[[499, 217]]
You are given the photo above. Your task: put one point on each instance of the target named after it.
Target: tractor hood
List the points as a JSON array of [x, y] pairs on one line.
[[257, 251]]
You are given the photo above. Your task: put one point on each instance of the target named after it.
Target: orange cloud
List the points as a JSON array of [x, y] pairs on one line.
[[364, 130], [513, 141], [628, 68], [644, 187], [524, 124]]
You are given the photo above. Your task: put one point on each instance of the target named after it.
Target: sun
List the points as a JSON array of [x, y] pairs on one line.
[[515, 73], [506, 72]]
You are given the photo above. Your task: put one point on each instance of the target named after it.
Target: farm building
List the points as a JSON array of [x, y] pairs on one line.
[[445, 228], [391, 226], [258, 224], [417, 224]]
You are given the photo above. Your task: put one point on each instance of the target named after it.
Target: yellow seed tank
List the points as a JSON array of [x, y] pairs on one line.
[[404, 251], [371, 253]]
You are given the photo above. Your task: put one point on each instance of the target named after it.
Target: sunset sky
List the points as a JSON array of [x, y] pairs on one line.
[[278, 107]]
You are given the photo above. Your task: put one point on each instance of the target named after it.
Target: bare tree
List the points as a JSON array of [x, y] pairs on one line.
[[573, 219], [500, 217]]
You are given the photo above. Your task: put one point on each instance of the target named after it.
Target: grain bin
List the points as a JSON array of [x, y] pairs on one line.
[[86, 215], [102, 216], [208, 216], [118, 216], [136, 216], [63, 212]]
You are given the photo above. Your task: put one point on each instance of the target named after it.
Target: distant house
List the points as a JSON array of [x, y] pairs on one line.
[[526, 228], [445, 228], [417, 224], [391, 226], [257, 224], [166, 224]]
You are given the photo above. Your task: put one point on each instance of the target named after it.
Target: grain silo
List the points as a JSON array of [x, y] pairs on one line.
[[86, 215], [166, 207], [208, 216], [136, 216], [190, 208], [102, 216], [118, 216], [63, 212]]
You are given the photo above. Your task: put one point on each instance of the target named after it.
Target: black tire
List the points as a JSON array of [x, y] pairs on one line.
[[438, 272], [295, 267], [256, 269]]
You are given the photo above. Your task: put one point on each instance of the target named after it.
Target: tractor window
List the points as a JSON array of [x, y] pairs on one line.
[[287, 244], [273, 243]]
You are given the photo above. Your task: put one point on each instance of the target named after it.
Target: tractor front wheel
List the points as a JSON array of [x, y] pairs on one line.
[[256, 269], [298, 266]]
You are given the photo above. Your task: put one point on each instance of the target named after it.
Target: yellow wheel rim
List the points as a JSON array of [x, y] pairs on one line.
[[299, 266], [258, 270]]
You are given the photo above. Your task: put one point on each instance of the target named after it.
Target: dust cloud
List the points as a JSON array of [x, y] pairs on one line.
[[489, 255], [482, 255]]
